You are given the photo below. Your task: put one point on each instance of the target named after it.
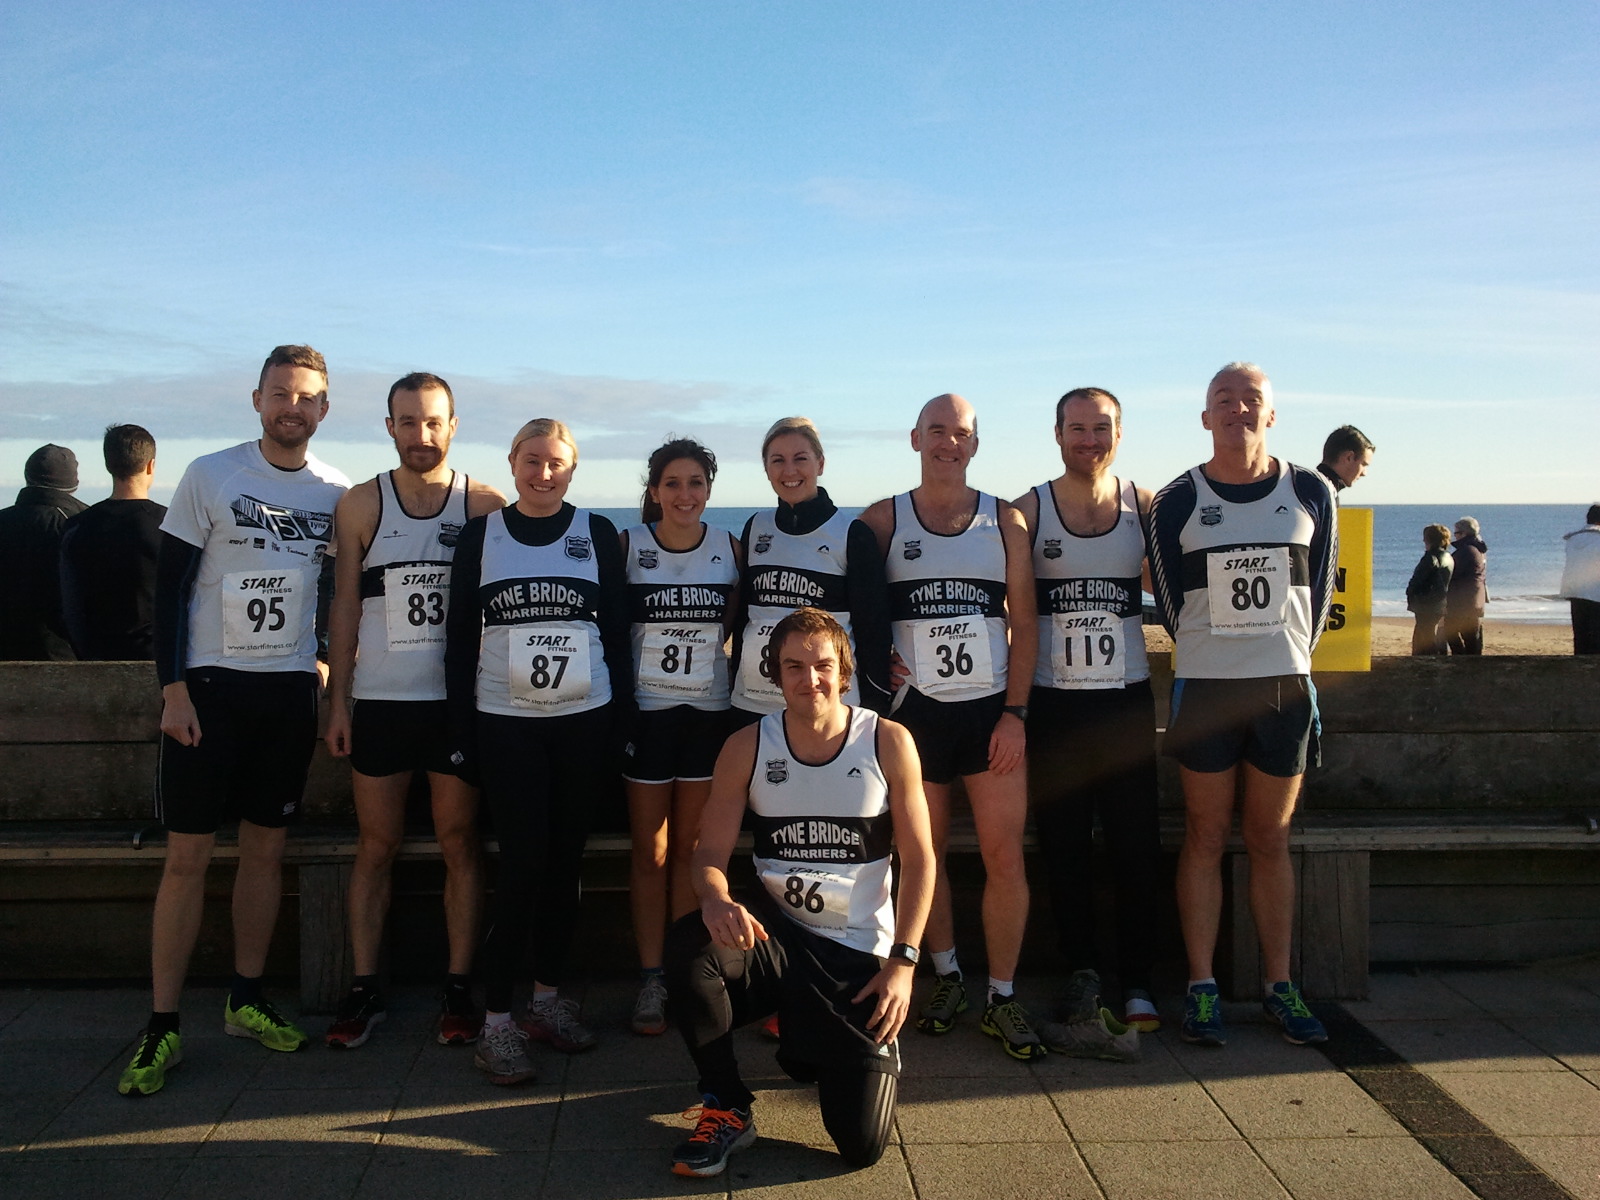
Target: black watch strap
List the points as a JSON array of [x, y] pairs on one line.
[[906, 951], [1019, 711]]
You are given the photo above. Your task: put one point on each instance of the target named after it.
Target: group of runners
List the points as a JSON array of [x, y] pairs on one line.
[[819, 680]]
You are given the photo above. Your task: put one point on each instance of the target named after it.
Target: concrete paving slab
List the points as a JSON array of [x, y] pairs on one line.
[[451, 1066], [954, 1111], [48, 1065], [1521, 991], [624, 1056], [1528, 1103], [1403, 996], [1180, 1171], [1310, 1105], [447, 1120], [317, 1121], [1573, 1162], [774, 1169], [70, 1013], [636, 1173], [100, 1123], [1046, 1170], [1254, 1049], [1141, 1110], [1386, 1168], [627, 1116], [319, 1178], [964, 1052], [382, 1062], [209, 1064], [50, 1179], [1576, 1043], [13, 1003], [1464, 1045], [397, 1171], [788, 1112]]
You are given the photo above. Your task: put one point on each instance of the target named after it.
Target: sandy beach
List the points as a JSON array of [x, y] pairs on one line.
[[1391, 637]]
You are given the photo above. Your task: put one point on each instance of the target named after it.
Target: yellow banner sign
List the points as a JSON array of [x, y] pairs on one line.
[[1346, 645]]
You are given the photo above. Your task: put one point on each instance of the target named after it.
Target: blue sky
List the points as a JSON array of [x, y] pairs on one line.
[[697, 218]]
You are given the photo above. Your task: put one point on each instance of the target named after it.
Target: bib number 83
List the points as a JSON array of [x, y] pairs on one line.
[[425, 608], [1251, 593], [797, 895]]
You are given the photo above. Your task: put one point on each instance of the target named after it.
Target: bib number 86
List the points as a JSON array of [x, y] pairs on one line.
[[1251, 593], [258, 610], [797, 895]]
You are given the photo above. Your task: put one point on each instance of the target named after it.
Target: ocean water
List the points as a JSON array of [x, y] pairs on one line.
[[1525, 551]]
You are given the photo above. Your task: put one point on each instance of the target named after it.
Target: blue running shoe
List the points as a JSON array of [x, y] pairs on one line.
[[1285, 1005], [718, 1132], [1202, 1016]]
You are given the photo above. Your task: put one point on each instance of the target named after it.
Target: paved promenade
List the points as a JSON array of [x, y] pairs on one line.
[[1495, 1072]]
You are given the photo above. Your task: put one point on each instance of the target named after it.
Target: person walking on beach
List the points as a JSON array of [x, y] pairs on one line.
[[1346, 455], [241, 582], [1242, 558], [1580, 582], [1426, 591], [1469, 590], [31, 625]]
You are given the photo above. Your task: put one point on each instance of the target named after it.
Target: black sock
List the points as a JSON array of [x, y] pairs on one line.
[[458, 994], [245, 991], [162, 1023], [364, 983]]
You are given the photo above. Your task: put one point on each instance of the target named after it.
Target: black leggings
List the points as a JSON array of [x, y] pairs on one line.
[[1093, 751], [808, 981], [542, 777]]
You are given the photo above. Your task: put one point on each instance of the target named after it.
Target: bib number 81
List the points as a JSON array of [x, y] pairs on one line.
[[797, 895]]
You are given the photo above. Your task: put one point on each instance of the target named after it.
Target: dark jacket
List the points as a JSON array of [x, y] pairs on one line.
[[1429, 583], [108, 579], [30, 602], [1469, 587]]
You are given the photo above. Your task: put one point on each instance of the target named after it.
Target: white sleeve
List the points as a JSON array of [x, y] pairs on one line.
[[187, 518]]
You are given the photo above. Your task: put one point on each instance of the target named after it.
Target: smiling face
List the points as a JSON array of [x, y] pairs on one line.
[[541, 469], [292, 402], [793, 466], [682, 492], [946, 437], [808, 673], [1089, 434], [1239, 410], [421, 426]]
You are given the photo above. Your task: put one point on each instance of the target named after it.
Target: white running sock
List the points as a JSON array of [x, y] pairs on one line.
[[999, 987], [944, 961], [493, 1020], [1211, 979]]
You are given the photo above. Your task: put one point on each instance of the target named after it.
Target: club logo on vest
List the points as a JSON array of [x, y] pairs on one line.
[[1211, 514], [649, 560], [777, 770], [578, 548], [911, 549], [1052, 547], [449, 533], [763, 543], [853, 773]]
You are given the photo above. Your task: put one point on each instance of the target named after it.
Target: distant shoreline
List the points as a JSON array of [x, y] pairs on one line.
[[1391, 637]]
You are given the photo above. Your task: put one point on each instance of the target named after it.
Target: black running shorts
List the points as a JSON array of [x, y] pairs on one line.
[[393, 737], [681, 742], [1268, 723], [952, 737]]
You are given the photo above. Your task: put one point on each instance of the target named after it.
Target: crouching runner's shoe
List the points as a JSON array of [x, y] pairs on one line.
[[1102, 1036], [1285, 1005], [718, 1132], [147, 1073], [260, 1021]]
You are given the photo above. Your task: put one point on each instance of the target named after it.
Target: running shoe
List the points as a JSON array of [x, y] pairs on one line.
[[147, 1073], [1102, 1036], [259, 1020], [458, 1022], [769, 1029], [358, 1015], [1285, 1005], [556, 1021], [1082, 998], [1008, 1021], [503, 1053], [650, 1009], [718, 1132], [1202, 1016], [944, 1003], [1139, 1012]]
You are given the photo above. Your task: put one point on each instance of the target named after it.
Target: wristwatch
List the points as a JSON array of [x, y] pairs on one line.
[[1019, 711], [906, 951]]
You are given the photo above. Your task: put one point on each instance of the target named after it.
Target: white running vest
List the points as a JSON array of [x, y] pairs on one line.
[[677, 603], [823, 834], [786, 571], [1091, 622], [947, 603], [541, 654], [405, 596], [1246, 578]]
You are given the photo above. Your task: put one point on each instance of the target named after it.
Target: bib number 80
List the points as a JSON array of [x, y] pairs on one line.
[[797, 895], [1255, 592]]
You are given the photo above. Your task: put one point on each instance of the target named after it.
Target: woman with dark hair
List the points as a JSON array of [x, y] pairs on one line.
[[683, 582], [1426, 592]]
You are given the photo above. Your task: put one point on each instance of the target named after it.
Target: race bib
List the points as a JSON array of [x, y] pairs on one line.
[[1248, 590], [262, 612], [677, 660], [753, 655], [416, 600], [1086, 650], [952, 653], [549, 665], [816, 898]]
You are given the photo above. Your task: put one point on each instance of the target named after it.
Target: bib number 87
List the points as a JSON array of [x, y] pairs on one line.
[[258, 610], [797, 895], [953, 661], [540, 676], [1251, 593]]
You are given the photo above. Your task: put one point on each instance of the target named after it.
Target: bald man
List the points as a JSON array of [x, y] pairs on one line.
[[961, 604]]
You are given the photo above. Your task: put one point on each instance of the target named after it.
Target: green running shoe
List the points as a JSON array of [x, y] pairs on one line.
[[1008, 1021], [263, 1023], [948, 998], [147, 1073]]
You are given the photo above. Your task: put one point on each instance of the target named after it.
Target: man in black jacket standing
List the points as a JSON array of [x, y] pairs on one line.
[[31, 627]]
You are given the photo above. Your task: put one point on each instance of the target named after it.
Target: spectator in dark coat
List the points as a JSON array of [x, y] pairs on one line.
[[1425, 594], [30, 546], [1469, 590], [109, 553]]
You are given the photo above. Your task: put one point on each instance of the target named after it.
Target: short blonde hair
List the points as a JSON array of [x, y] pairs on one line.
[[1437, 537], [801, 425], [545, 427], [810, 622]]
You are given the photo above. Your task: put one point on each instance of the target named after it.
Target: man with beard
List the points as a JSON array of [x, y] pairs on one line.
[[238, 586], [396, 538]]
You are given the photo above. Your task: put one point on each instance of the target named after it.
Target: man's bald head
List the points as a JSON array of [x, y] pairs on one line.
[[948, 409], [1243, 370]]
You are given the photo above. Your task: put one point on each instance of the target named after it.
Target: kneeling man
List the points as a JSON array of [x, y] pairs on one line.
[[831, 790]]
